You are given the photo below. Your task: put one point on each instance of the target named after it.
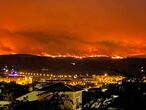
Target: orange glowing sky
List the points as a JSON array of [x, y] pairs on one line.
[[73, 27]]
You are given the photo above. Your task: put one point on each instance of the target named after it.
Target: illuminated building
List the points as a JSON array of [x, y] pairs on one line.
[[74, 93], [17, 80]]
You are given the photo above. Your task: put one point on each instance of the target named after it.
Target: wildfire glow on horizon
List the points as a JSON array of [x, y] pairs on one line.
[[72, 56], [76, 28]]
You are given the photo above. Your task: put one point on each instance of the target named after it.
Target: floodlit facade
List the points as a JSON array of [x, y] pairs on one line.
[[74, 94]]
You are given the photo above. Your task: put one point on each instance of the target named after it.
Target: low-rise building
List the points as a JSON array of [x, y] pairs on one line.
[[74, 94]]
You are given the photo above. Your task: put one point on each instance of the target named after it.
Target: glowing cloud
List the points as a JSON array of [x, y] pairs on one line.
[[73, 27]]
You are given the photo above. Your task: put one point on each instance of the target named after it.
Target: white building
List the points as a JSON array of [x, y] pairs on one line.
[[74, 93]]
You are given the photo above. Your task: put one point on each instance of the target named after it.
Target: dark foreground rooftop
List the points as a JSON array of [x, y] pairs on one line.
[[60, 87]]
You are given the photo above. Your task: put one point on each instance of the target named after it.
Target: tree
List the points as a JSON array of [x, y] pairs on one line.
[[58, 101]]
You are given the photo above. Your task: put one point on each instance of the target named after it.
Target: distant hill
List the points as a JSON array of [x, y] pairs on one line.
[[138, 56], [96, 65]]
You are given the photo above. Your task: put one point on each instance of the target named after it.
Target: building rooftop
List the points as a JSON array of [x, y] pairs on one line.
[[60, 87]]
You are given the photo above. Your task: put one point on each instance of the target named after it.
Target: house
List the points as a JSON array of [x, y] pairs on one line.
[[74, 93]]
